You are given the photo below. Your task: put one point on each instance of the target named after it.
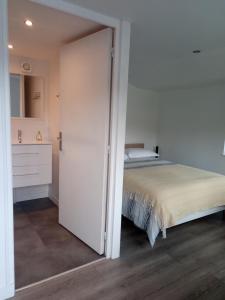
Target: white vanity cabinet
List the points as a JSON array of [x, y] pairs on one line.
[[32, 164]]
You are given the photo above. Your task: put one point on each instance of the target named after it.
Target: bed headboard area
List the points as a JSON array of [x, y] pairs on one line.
[[138, 145]]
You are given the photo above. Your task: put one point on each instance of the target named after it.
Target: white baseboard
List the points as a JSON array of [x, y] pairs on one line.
[[54, 199]]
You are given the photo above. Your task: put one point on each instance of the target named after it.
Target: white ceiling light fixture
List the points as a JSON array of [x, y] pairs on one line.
[[28, 22], [10, 46]]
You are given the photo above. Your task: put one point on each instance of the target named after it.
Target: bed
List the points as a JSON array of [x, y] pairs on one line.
[[160, 194]]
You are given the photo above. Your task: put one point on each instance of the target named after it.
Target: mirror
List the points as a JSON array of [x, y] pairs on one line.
[[26, 94]]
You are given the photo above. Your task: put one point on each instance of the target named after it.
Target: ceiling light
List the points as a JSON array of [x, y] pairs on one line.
[[28, 22], [10, 46], [196, 51]]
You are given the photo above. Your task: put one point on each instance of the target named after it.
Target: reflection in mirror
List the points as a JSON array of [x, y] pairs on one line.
[[26, 93]]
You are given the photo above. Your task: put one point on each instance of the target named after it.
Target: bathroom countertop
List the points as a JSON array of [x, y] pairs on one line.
[[32, 143]]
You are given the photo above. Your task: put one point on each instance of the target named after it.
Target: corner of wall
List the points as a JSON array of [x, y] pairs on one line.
[[142, 117]]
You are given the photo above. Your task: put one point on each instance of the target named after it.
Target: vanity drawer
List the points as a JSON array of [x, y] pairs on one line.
[[31, 155], [32, 165], [31, 175]]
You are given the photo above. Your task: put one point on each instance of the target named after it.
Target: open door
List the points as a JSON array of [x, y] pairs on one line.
[[85, 111]]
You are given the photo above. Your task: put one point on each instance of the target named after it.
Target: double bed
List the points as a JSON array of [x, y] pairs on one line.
[[160, 194]]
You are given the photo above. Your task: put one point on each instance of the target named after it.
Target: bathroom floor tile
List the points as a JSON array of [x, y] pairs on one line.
[[44, 248], [36, 205]]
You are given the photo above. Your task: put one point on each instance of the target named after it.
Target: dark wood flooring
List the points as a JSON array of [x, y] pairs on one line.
[[189, 264], [43, 248]]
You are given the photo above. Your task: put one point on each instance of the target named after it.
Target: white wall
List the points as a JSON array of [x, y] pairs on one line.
[[192, 127], [142, 117], [29, 129]]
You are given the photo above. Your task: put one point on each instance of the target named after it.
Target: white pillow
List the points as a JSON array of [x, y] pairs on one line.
[[126, 157], [140, 153]]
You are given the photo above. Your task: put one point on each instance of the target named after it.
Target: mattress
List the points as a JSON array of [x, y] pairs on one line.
[[158, 195]]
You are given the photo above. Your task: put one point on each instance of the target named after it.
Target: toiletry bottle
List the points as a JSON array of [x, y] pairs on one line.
[[39, 137]]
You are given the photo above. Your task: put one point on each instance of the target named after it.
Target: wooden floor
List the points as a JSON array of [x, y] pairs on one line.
[[189, 264]]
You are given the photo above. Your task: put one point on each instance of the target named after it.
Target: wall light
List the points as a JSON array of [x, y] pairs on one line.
[[10, 46]]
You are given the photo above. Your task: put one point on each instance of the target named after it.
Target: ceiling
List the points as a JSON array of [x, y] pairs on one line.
[[164, 34], [51, 29]]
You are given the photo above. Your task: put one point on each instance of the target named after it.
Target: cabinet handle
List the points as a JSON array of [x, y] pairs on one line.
[[26, 174], [28, 153]]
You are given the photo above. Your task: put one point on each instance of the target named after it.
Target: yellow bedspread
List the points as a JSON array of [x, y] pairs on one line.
[[175, 191]]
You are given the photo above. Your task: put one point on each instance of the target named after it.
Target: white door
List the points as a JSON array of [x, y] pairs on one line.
[[85, 109]]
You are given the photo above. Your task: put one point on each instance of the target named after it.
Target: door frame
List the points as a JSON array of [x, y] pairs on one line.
[[117, 138]]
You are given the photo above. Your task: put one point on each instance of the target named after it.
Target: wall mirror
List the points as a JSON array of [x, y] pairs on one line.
[[26, 95]]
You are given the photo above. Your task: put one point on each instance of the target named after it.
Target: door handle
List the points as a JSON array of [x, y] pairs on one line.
[[59, 138]]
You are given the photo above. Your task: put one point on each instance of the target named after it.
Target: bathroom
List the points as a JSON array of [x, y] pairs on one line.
[[42, 238]]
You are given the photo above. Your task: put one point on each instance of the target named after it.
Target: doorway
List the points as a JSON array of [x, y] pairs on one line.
[[65, 228], [119, 90]]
